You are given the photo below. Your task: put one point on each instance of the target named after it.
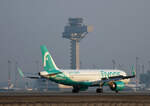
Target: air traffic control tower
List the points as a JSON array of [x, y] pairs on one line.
[[75, 31]]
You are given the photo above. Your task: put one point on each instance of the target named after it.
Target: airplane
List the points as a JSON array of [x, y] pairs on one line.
[[82, 79]]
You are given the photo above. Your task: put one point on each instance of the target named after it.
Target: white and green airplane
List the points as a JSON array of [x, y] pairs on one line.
[[80, 80]]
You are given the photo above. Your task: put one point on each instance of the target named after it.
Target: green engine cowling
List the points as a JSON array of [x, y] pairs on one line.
[[117, 86]]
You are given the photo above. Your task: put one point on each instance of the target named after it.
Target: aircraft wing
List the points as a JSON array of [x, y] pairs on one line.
[[113, 78]]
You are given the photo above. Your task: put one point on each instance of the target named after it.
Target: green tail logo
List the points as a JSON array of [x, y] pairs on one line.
[[48, 62]]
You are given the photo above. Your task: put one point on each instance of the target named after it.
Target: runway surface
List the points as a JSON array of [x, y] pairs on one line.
[[68, 98], [69, 93]]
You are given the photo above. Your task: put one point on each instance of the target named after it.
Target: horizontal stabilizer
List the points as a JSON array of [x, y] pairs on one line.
[[54, 72], [31, 77]]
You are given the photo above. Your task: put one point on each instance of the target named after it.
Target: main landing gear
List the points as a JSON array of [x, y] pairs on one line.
[[117, 91], [75, 90], [99, 90]]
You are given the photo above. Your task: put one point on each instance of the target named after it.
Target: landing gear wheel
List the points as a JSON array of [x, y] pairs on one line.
[[116, 91], [75, 90], [99, 90]]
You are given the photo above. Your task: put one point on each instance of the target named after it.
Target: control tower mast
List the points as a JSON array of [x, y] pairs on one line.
[[75, 31]]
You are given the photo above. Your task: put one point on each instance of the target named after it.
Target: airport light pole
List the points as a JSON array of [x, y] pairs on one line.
[[143, 68], [9, 73], [137, 73], [16, 73], [114, 64]]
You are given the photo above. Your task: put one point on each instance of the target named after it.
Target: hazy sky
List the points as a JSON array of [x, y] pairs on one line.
[[121, 32]]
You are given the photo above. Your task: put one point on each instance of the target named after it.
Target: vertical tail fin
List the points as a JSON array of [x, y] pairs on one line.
[[48, 62]]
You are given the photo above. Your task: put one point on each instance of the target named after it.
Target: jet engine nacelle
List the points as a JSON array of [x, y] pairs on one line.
[[117, 86]]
